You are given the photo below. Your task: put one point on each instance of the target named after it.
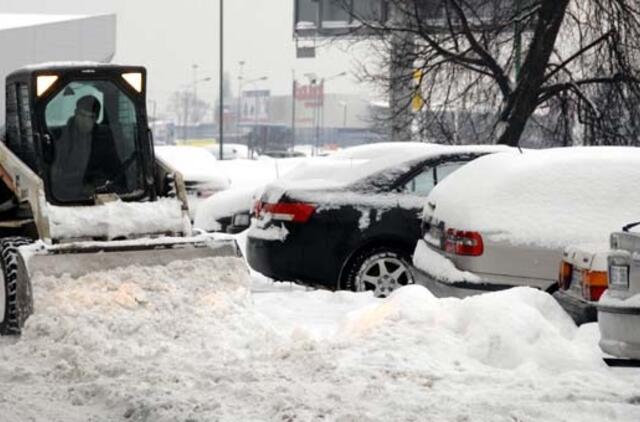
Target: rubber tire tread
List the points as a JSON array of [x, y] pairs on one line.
[[19, 300], [349, 279]]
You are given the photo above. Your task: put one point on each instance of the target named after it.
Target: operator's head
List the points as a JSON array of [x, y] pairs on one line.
[[87, 112]]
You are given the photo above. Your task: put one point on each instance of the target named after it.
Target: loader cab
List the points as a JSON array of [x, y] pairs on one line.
[[83, 129]]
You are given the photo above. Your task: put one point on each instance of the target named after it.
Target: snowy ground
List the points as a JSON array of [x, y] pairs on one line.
[[184, 343]]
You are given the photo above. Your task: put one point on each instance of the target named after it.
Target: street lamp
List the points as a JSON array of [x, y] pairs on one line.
[[255, 113], [318, 115]]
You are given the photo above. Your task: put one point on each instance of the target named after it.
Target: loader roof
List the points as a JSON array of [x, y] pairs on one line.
[[70, 66]]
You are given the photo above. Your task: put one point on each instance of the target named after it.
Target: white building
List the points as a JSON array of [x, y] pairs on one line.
[[27, 39]]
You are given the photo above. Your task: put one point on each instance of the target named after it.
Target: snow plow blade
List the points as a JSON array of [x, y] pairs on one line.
[[78, 259]]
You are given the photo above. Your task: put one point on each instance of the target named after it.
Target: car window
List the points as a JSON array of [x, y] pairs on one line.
[[421, 184], [445, 169]]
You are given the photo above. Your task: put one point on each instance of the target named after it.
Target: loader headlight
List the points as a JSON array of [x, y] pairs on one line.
[[44, 82], [134, 79]]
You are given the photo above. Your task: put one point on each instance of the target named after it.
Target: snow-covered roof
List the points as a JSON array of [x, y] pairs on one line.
[[19, 20], [549, 198]]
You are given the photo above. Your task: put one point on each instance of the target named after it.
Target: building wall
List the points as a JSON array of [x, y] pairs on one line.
[[82, 38]]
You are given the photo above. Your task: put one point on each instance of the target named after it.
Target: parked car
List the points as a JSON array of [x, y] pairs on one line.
[[505, 219], [619, 307], [203, 176], [583, 280], [350, 221]]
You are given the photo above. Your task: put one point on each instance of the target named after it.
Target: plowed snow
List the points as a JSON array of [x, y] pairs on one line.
[[189, 342]]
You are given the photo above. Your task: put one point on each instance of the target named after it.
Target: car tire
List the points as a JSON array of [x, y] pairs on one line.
[[381, 269], [15, 287]]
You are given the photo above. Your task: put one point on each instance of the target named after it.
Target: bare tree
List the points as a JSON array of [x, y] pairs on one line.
[[187, 109], [561, 69]]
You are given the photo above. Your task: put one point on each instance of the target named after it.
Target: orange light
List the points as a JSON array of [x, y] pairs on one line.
[[564, 278]]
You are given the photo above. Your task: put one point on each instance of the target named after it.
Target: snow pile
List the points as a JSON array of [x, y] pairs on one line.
[[224, 204], [115, 219], [439, 266], [186, 342], [549, 198]]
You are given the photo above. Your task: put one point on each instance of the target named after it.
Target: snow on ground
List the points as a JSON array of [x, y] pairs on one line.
[[189, 342]]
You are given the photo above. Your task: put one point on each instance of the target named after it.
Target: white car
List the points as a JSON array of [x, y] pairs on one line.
[[203, 175], [504, 220]]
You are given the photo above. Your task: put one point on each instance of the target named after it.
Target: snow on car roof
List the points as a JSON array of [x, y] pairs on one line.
[[350, 165], [195, 164], [549, 198]]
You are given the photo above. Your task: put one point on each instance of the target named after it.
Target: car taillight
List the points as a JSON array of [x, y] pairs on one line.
[[594, 283], [465, 243], [297, 212], [564, 278]]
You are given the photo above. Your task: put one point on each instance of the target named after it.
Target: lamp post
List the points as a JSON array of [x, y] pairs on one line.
[[221, 122], [241, 64], [255, 111], [324, 80]]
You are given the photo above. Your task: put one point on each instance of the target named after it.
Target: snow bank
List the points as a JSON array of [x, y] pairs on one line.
[[115, 219], [549, 198], [187, 342]]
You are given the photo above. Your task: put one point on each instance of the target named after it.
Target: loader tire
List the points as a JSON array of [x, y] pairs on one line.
[[18, 299]]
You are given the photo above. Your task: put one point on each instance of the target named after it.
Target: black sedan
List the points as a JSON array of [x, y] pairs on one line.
[[353, 221]]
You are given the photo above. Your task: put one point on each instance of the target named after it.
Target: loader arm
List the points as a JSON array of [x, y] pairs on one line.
[[27, 186]]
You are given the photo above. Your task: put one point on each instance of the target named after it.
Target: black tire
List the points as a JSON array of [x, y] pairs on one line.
[[16, 286], [360, 272]]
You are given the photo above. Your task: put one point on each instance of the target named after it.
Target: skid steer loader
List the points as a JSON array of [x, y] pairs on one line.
[[81, 190]]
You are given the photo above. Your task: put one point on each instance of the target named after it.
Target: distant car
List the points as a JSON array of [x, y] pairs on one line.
[[583, 279], [230, 151], [619, 307], [505, 219], [350, 221], [203, 176]]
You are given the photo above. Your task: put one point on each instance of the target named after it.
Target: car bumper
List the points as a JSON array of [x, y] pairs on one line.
[[273, 258], [459, 289], [581, 311], [620, 331]]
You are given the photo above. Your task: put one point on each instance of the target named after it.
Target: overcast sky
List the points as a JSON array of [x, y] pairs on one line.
[[170, 36]]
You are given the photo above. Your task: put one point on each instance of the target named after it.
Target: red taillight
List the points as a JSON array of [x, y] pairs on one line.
[[463, 243], [296, 212], [594, 283]]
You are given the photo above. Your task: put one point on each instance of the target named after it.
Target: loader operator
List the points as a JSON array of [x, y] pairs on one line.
[[85, 157]]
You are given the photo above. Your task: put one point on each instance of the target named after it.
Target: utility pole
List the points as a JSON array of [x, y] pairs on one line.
[[221, 123], [239, 105]]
